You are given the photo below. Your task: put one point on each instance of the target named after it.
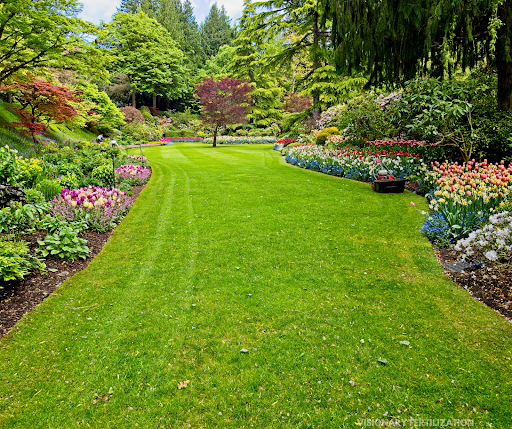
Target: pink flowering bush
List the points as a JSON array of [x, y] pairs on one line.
[[136, 173], [101, 208]]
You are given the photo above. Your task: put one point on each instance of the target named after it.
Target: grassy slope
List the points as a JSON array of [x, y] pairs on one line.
[[23, 143], [229, 248]]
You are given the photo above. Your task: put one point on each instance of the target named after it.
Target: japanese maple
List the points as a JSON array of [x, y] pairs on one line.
[[223, 102], [41, 102]]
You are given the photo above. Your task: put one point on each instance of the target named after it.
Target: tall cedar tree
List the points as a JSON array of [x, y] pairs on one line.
[[146, 54], [266, 19], [252, 53], [223, 102], [215, 31], [42, 101], [392, 40], [45, 33]]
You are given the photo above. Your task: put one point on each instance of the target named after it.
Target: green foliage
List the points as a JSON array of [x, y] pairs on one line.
[[146, 114], [49, 188], [110, 117], [141, 132], [40, 34], [14, 260], [215, 31], [64, 244], [362, 119], [34, 196], [146, 55], [441, 110], [68, 180], [10, 168], [321, 138], [18, 217], [104, 174], [218, 66]]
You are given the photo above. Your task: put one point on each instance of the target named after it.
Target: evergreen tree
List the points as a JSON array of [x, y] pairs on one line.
[[296, 21], [249, 61], [215, 32], [393, 40]]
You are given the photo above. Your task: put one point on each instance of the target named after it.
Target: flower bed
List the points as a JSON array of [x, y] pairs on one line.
[[240, 140], [101, 208], [463, 196], [138, 173], [139, 158], [180, 139], [354, 164]]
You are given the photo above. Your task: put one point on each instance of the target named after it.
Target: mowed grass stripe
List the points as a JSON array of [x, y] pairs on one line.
[[231, 248]]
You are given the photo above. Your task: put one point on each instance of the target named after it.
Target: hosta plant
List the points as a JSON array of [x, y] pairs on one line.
[[64, 244]]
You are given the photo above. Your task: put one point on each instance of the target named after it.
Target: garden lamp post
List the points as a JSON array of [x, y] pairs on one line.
[[113, 144]]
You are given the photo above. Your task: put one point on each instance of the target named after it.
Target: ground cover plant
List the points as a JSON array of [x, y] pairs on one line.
[[260, 295]]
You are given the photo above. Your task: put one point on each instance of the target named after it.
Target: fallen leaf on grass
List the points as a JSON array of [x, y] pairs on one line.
[[405, 343], [382, 361], [183, 384], [352, 383], [244, 351]]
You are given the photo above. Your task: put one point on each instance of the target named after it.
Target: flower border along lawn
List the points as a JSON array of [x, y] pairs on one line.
[[330, 289]]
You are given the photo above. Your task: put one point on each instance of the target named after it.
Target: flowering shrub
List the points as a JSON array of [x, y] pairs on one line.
[[493, 242], [131, 114], [101, 208], [466, 194], [354, 164], [327, 116], [240, 140], [138, 173]]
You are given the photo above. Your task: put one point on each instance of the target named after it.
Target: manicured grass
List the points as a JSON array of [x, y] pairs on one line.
[[229, 249]]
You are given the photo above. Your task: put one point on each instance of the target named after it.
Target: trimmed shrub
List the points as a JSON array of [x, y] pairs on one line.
[[321, 138]]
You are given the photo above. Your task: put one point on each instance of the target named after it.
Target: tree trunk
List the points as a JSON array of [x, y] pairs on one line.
[[154, 101], [134, 93], [316, 92], [504, 57], [9, 97], [215, 136]]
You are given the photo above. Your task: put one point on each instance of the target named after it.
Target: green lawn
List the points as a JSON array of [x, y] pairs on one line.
[[316, 277]]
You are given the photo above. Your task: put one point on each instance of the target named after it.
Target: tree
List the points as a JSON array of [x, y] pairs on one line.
[[110, 117], [42, 101], [215, 31], [392, 40], [146, 54], [223, 102], [45, 33], [297, 22], [219, 65]]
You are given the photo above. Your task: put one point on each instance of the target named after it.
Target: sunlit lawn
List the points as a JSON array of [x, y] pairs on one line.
[[331, 290]]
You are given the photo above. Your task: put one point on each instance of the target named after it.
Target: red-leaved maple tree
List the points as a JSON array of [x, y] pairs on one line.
[[223, 102], [41, 102]]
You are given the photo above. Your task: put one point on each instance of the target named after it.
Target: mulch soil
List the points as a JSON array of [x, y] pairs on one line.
[[19, 297], [490, 285]]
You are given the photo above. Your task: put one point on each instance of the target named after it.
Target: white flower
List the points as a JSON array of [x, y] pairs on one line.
[[491, 255]]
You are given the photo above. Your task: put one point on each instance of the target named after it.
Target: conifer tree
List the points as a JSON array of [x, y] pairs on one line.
[[393, 40], [215, 32]]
